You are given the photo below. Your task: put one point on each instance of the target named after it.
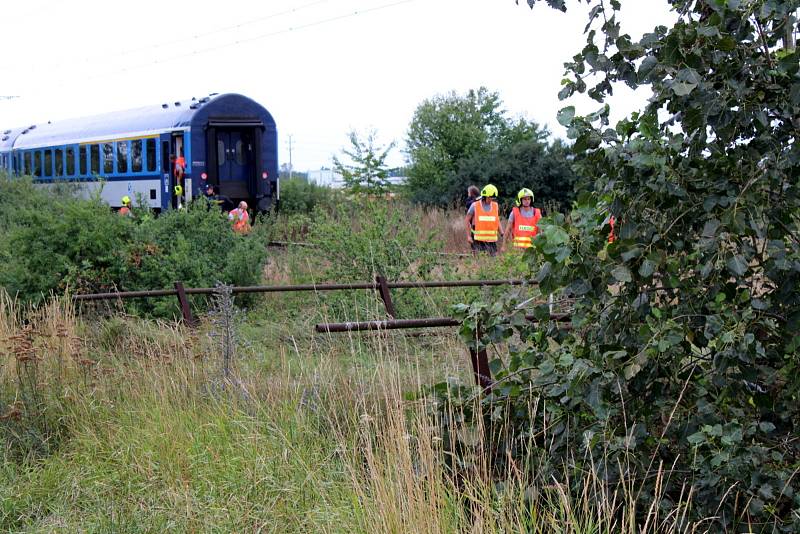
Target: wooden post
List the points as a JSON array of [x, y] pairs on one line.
[[383, 290], [480, 364], [186, 311]]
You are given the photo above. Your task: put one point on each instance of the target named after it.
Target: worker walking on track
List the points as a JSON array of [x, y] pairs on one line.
[[483, 221], [523, 221]]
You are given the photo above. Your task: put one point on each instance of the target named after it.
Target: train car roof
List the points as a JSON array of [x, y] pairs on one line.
[[142, 121], [8, 137]]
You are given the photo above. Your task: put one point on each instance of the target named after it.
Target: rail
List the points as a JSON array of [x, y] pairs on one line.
[[478, 355], [381, 285]]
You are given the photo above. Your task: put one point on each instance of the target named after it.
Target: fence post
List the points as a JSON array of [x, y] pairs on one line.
[[383, 290], [480, 363], [186, 311]]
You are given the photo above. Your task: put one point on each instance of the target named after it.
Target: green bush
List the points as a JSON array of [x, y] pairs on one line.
[[300, 196], [56, 241], [368, 237]]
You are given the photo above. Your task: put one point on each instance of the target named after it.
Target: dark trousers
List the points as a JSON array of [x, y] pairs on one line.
[[485, 246]]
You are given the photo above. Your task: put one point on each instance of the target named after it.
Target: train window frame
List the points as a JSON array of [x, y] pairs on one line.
[[37, 163], [122, 150], [222, 155], [58, 162], [136, 168], [28, 160], [69, 160], [240, 156], [152, 142], [83, 160], [94, 151], [48, 163], [107, 156]]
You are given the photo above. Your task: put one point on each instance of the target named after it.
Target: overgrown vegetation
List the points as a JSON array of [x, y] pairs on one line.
[[300, 196], [679, 378], [55, 240]]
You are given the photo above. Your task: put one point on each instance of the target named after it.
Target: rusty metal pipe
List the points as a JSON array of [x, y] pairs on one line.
[[301, 287], [398, 324], [431, 322]]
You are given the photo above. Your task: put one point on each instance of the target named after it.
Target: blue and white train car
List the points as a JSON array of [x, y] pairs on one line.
[[227, 140]]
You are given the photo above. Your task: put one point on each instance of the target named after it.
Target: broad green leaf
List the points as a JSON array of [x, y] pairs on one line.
[[647, 268], [565, 115], [622, 274], [737, 265], [683, 88]]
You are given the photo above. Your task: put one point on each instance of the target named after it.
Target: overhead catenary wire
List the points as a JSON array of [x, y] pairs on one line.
[[103, 74], [194, 37]]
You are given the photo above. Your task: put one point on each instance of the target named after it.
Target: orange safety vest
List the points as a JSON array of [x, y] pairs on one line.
[[611, 236], [525, 227], [486, 225], [241, 222], [124, 210]]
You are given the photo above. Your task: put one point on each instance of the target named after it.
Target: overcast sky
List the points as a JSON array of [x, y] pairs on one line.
[[321, 67]]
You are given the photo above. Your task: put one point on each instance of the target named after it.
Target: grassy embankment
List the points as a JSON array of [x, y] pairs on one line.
[[113, 423]]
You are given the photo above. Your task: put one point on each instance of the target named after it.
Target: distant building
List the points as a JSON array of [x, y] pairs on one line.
[[326, 178], [331, 178]]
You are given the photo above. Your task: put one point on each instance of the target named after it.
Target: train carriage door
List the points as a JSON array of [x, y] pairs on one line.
[[176, 151], [235, 163]]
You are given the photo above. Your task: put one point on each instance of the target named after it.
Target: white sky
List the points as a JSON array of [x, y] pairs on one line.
[[321, 67]]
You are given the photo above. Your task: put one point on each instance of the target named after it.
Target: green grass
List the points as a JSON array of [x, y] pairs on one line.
[[313, 434]]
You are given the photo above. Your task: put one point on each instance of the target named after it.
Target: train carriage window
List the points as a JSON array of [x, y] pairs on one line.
[[83, 158], [59, 154], [108, 158], [136, 155], [240, 158], [48, 163], [70, 161], [28, 163], [220, 151], [95, 159], [122, 156], [165, 157], [151, 155]]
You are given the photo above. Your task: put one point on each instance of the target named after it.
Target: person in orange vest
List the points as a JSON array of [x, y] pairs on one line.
[[611, 236], [483, 221], [522, 223], [240, 218], [179, 164], [125, 210]]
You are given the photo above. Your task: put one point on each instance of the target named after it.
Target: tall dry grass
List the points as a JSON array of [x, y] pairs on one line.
[[312, 434]]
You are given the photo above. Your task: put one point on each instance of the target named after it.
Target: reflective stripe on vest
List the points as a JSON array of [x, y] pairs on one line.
[[525, 227], [486, 224]]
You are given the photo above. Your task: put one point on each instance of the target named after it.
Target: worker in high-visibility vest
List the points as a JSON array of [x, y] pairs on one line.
[[483, 221], [240, 219], [522, 223], [125, 210]]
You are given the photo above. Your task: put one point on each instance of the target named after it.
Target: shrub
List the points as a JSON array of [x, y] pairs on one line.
[[56, 240], [367, 237], [300, 196], [679, 375]]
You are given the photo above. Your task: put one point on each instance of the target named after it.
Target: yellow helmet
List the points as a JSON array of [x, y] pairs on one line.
[[178, 190], [126, 200], [524, 192], [489, 191]]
